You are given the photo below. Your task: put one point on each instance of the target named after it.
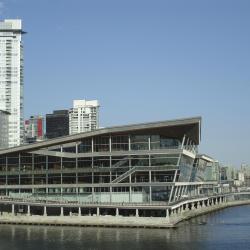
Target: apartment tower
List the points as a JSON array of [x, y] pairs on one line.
[[11, 78]]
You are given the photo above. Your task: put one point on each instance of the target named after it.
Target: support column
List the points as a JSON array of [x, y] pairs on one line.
[[13, 209], [117, 212], [61, 211], [79, 212], [97, 211], [136, 213], [44, 211], [28, 210], [167, 213]]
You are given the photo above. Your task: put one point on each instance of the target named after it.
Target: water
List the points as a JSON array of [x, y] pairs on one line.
[[225, 229]]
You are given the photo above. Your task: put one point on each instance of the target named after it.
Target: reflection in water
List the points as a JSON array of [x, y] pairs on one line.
[[226, 229]]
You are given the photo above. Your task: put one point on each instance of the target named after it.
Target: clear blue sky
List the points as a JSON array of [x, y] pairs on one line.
[[144, 61]]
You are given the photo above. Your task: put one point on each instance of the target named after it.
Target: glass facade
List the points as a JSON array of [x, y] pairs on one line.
[[127, 167]]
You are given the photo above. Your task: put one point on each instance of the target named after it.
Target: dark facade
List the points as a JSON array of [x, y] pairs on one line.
[[57, 124]]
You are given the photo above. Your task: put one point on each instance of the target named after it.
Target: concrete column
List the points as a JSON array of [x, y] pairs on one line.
[[70, 213], [167, 213], [79, 212], [28, 210], [13, 209], [61, 211], [117, 212], [97, 211], [136, 213], [44, 211]]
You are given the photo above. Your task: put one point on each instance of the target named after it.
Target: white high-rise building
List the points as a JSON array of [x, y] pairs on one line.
[[84, 116], [11, 77]]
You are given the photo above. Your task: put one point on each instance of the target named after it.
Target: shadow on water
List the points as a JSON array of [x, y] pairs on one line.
[[225, 229]]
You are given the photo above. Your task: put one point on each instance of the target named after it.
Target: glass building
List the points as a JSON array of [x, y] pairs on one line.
[[141, 163]]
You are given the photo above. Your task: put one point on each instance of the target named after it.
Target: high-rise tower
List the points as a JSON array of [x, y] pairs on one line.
[[11, 77]]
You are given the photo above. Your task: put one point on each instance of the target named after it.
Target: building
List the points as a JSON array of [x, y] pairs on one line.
[[207, 168], [140, 163], [11, 78], [34, 129], [57, 124], [84, 116], [4, 129]]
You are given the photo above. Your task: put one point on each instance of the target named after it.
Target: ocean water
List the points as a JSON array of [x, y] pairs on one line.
[[224, 229]]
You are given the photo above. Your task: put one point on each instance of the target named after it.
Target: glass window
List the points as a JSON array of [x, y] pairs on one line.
[[119, 143], [85, 162], [101, 162], [139, 142], [101, 144], [54, 162], [140, 160], [68, 163], [85, 146], [164, 160], [163, 142]]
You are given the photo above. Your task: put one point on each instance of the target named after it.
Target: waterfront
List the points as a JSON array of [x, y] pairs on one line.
[[224, 229]]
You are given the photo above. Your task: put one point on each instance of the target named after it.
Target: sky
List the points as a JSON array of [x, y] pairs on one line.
[[144, 60]]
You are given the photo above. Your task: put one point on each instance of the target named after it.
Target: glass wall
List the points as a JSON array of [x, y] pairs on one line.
[[13, 162], [102, 162], [2, 163], [161, 193], [164, 160], [163, 142], [139, 160], [26, 162], [162, 176], [120, 143], [101, 144], [54, 178], [54, 162], [84, 162], [68, 163], [39, 162], [139, 142], [39, 179], [85, 146]]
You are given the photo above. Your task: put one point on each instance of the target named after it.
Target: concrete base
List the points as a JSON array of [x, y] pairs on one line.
[[114, 221]]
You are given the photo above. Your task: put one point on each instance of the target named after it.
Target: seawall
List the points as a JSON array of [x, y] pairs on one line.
[[115, 221]]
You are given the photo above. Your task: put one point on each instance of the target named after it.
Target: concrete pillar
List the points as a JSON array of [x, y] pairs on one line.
[[61, 211], [136, 213], [97, 211], [167, 213], [117, 212], [70, 213], [79, 212], [28, 210], [13, 209], [44, 211]]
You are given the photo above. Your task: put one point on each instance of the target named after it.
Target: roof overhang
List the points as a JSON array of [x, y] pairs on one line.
[[191, 127]]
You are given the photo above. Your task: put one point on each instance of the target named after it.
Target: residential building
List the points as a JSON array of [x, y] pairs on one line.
[[57, 124], [34, 129], [4, 129], [84, 116], [11, 78]]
